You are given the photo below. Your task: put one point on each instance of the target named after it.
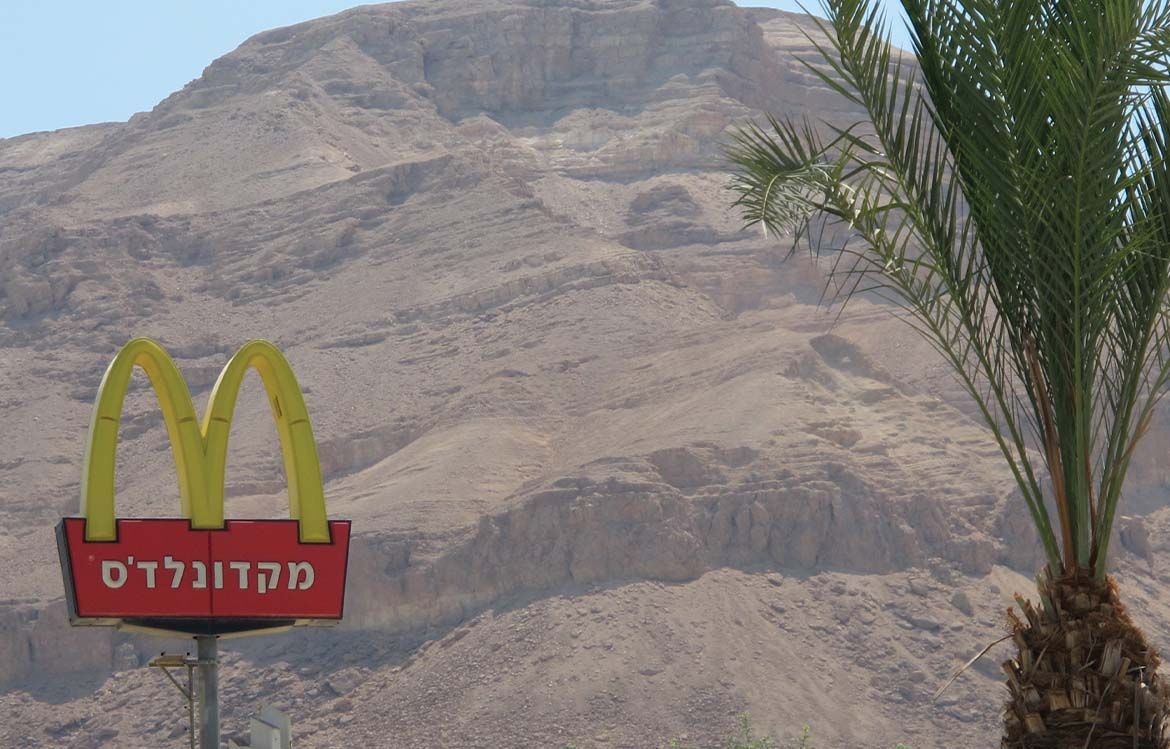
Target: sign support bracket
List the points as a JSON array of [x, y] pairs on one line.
[[207, 694], [165, 663]]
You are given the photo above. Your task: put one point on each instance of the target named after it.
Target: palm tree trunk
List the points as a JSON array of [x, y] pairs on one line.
[[1085, 676]]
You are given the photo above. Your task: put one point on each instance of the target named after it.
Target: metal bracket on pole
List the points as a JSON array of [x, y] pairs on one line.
[[166, 662], [207, 693]]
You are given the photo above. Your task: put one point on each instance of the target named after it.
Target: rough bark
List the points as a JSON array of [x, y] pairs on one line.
[[1085, 676]]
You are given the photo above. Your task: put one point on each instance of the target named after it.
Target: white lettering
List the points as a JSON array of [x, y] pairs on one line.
[[149, 568], [294, 569], [301, 575], [108, 568], [242, 568], [200, 575], [177, 567], [265, 584]]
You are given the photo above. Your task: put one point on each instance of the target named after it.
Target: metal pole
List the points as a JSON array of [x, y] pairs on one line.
[[208, 692], [191, 701]]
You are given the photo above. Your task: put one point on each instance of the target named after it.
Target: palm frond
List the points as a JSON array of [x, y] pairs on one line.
[[1010, 191]]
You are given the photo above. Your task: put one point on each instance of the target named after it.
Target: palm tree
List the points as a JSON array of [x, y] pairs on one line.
[[1010, 192]]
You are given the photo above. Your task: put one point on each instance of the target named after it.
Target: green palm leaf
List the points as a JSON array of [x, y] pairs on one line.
[[1011, 192]]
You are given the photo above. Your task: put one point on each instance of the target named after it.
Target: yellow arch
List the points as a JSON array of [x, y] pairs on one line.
[[200, 451], [302, 469]]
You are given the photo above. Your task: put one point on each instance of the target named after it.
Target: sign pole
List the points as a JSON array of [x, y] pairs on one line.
[[208, 647], [190, 699]]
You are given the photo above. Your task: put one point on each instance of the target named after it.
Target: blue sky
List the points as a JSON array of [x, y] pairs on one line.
[[76, 62]]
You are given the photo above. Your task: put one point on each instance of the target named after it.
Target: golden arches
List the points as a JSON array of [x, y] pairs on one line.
[[200, 451]]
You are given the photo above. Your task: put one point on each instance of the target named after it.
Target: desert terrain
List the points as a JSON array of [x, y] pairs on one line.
[[616, 472]]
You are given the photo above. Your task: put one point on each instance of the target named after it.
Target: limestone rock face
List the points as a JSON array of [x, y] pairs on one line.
[[591, 433]]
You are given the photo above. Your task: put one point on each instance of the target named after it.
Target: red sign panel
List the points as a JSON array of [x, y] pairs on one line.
[[165, 570]]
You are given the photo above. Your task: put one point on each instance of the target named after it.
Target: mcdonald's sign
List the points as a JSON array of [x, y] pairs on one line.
[[201, 573]]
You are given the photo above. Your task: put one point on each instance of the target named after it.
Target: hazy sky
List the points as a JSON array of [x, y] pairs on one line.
[[77, 62]]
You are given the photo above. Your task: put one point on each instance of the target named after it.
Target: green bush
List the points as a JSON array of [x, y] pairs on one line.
[[745, 738]]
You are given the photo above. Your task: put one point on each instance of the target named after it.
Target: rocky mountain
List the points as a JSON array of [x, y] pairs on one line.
[[615, 473]]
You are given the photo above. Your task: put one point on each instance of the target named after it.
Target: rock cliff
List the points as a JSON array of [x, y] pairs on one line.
[[615, 474]]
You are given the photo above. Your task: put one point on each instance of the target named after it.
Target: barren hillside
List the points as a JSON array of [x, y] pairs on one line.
[[615, 475]]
